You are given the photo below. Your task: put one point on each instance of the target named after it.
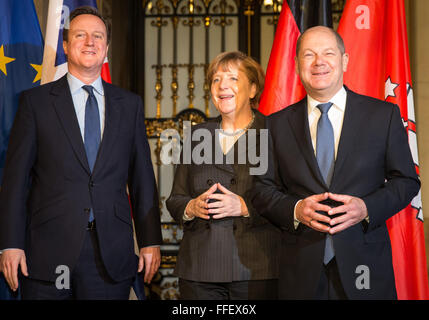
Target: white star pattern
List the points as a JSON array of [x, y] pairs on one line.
[[416, 203], [389, 89], [405, 123]]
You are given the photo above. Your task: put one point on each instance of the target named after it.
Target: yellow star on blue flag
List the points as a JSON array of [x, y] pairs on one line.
[[4, 61], [38, 68], [21, 56]]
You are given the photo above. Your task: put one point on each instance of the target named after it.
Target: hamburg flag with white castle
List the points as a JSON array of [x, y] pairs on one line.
[[375, 36]]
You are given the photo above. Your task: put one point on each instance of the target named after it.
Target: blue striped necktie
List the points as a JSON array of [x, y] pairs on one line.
[[325, 155], [92, 134]]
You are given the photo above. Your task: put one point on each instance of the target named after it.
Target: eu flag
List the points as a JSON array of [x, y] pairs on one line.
[[21, 54]]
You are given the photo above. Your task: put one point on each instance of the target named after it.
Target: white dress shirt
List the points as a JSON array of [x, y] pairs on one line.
[[335, 115], [80, 97]]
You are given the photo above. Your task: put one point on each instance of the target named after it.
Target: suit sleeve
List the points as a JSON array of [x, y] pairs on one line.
[[20, 158], [254, 218], [142, 187], [180, 194], [269, 196], [402, 182]]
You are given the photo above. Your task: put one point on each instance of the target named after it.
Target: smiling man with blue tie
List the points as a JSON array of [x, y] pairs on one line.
[[339, 166], [75, 146]]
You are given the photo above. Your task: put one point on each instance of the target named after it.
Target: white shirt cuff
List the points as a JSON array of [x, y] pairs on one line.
[[296, 222]]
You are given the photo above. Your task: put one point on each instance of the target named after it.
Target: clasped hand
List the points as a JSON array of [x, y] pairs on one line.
[[227, 204], [354, 210]]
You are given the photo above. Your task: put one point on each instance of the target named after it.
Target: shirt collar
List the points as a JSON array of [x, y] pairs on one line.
[[339, 101], [75, 84]]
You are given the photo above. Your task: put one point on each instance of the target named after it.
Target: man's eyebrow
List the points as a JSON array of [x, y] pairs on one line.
[[83, 30]]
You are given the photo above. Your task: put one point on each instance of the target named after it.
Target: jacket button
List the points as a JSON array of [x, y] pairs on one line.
[[233, 181], [210, 182], [91, 184]]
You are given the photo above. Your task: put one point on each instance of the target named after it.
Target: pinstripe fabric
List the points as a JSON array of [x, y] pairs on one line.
[[230, 249]]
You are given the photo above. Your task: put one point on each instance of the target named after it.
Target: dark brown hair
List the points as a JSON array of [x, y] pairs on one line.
[[85, 10], [248, 65]]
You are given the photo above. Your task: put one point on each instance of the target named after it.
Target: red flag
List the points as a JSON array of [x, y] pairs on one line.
[[282, 85], [375, 36], [105, 72]]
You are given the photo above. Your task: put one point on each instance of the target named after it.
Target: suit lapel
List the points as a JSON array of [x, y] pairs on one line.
[[236, 151], [216, 147], [299, 123], [63, 104], [244, 147], [353, 122], [64, 108], [112, 120]]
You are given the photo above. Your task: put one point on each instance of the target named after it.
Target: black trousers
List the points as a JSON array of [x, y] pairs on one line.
[[236, 290], [330, 286], [88, 281]]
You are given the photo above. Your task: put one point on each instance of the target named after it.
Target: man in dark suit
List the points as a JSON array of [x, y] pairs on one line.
[[339, 167], [76, 143]]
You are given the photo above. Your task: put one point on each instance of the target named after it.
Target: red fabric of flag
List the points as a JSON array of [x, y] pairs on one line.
[[282, 85], [375, 36], [105, 72]]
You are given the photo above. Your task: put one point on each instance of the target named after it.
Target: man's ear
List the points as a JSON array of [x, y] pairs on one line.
[[345, 61], [65, 47]]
